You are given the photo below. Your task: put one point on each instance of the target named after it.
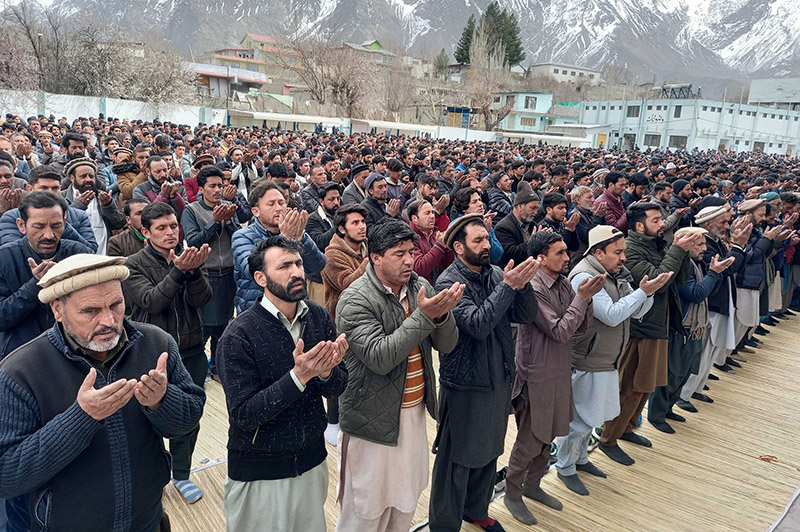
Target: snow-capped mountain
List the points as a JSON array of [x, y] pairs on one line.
[[665, 39]]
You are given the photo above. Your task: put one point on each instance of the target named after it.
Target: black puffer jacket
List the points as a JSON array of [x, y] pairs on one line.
[[483, 316]]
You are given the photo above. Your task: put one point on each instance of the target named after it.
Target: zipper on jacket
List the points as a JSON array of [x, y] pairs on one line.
[[255, 435]]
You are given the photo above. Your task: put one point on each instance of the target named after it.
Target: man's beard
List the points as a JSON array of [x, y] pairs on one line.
[[99, 347], [655, 234], [283, 292], [86, 187], [476, 259]]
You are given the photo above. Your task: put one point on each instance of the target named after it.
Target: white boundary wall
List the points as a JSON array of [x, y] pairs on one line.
[[33, 103]]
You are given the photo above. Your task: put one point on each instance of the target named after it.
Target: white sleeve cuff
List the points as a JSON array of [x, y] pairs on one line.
[[300, 385]]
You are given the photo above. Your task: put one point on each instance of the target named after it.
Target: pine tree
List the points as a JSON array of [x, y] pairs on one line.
[[502, 29], [515, 53], [462, 50]]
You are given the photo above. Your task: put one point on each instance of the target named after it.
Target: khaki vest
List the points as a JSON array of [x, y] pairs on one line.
[[599, 348]]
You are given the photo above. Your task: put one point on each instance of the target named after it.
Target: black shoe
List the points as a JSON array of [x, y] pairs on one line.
[[675, 417], [770, 321], [490, 525], [788, 312], [663, 426], [712, 377], [795, 308], [706, 388], [731, 362], [726, 368], [617, 454], [761, 331], [702, 397], [636, 438], [686, 405], [779, 316], [753, 342]]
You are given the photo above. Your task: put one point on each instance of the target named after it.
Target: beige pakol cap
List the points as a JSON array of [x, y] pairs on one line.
[[80, 271]]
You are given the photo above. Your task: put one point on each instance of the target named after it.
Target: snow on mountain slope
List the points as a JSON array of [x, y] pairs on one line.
[[719, 38]]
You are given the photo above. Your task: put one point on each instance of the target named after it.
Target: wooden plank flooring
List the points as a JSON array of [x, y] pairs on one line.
[[706, 477]]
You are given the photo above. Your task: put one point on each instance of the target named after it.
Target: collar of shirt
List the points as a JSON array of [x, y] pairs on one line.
[[546, 280], [403, 294], [324, 215], [292, 326]]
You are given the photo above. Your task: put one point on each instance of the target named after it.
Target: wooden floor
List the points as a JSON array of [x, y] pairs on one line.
[[709, 476]]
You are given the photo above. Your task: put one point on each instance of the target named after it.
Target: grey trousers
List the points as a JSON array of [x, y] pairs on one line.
[[573, 449]]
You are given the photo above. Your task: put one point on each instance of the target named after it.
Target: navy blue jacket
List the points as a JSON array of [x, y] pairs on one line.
[[243, 241], [718, 299], [22, 316], [487, 308], [753, 270]]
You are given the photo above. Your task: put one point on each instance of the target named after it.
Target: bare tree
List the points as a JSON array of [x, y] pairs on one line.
[[351, 81], [308, 58], [399, 90], [91, 59], [487, 76]]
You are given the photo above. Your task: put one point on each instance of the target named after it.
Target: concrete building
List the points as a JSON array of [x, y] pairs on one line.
[[566, 73], [534, 112], [216, 80], [777, 93], [260, 54], [691, 123], [372, 51]]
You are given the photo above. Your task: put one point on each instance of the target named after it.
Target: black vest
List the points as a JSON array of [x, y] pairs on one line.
[[115, 483]]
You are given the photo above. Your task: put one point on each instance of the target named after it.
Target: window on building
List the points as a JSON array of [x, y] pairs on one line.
[[677, 114], [580, 74], [649, 107], [736, 142], [658, 107], [564, 72], [616, 134], [705, 108], [652, 140], [572, 73], [252, 68], [780, 145], [633, 111], [763, 115], [234, 65], [530, 102], [677, 141], [611, 108], [730, 111], [795, 119], [747, 143], [527, 121], [772, 116], [591, 76], [740, 113], [602, 107], [555, 71], [719, 110]]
